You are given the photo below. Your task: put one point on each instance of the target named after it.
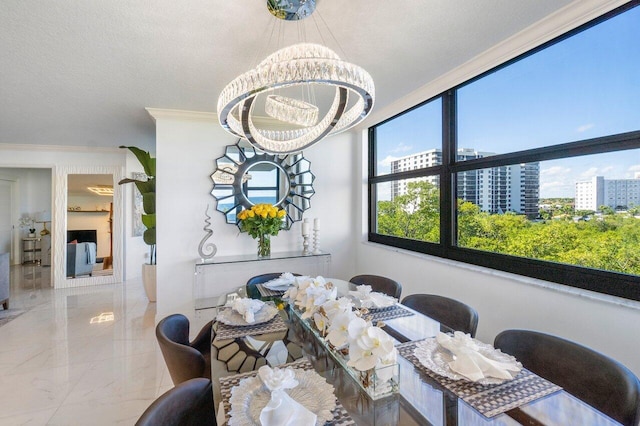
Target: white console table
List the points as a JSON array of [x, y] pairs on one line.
[[225, 274]]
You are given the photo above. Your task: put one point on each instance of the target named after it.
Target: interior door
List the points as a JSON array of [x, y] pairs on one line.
[[6, 226]]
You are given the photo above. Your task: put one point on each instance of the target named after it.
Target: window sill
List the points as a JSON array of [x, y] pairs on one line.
[[560, 288]]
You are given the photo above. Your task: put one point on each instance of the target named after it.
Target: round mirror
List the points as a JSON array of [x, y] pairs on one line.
[[245, 176]]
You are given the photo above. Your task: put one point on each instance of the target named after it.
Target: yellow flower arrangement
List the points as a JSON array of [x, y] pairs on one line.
[[260, 221]]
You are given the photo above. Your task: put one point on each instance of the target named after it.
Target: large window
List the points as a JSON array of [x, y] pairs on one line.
[[531, 168]]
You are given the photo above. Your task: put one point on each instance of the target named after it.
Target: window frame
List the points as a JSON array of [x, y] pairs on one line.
[[606, 282]]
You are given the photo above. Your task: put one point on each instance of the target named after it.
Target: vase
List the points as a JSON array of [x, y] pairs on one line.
[[264, 246]]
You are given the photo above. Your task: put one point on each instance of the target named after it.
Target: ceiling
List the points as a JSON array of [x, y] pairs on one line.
[[81, 73]]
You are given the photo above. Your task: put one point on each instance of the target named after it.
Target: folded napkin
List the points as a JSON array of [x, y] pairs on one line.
[[246, 307], [473, 365], [371, 299], [282, 410], [285, 280]]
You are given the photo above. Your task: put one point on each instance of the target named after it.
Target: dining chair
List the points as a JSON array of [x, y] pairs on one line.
[[252, 290], [185, 360], [188, 404], [380, 284], [450, 312], [596, 379]]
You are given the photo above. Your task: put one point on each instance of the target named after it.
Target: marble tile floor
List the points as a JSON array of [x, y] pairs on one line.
[[79, 356]]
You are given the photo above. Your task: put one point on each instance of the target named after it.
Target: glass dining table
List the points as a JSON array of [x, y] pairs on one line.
[[423, 397]]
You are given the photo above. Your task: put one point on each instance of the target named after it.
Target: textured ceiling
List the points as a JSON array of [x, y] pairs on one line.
[[81, 72]]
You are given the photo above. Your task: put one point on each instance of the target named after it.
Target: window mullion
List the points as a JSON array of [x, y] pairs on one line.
[[448, 229]]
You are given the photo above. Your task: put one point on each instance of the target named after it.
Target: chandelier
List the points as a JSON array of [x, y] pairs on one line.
[[301, 69]]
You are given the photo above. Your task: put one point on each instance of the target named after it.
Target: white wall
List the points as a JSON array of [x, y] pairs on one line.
[[187, 146], [50, 157]]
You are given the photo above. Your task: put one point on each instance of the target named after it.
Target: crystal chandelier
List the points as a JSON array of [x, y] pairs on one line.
[[299, 123]]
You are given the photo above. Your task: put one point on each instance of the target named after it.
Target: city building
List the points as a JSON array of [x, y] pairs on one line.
[[512, 188], [619, 194]]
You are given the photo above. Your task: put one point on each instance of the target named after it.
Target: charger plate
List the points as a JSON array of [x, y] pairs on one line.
[[251, 396], [437, 359]]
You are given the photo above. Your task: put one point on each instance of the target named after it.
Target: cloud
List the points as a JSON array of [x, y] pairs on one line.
[[401, 148], [590, 172], [585, 127], [386, 162], [555, 171]]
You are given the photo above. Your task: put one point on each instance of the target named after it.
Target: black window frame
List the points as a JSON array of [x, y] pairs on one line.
[[606, 282]]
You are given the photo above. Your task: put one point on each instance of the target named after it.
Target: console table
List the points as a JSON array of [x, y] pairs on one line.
[[225, 274], [31, 250]]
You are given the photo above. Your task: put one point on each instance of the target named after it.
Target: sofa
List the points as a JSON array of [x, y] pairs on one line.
[[80, 259], [4, 280]]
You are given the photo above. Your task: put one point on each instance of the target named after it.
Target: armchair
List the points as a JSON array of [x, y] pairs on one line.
[[80, 259]]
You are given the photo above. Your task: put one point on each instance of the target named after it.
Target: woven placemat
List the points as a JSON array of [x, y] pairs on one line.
[[266, 292], [384, 314], [340, 415], [274, 325], [489, 400]]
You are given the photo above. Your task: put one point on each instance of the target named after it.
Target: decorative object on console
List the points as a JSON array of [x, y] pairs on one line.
[[28, 222], [209, 250], [148, 190], [43, 217], [305, 235], [308, 71], [316, 236], [261, 221], [245, 177]]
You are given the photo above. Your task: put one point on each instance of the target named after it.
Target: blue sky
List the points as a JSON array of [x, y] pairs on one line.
[[584, 87]]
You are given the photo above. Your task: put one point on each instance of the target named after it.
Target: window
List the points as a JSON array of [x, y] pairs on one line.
[[536, 170]]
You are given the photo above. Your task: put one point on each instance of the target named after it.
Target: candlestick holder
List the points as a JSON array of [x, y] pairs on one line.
[[316, 241], [305, 245]]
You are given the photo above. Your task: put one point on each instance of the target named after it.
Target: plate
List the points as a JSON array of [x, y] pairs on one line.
[[229, 316], [437, 359], [251, 396]]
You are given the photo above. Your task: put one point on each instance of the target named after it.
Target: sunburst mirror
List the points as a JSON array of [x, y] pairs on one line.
[[245, 176]]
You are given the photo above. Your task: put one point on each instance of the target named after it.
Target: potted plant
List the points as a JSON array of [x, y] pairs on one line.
[[148, 190]]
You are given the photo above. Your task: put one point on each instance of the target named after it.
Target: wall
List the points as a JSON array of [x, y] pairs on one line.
[[50, 157], [187, 145]]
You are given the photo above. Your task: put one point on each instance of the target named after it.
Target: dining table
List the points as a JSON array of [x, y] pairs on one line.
[[422, 396]]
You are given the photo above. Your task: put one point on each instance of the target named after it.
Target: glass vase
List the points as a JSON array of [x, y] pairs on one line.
[[264, 246]]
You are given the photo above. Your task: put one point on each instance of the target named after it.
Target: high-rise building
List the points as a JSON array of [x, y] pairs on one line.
[[512, 188], [615, 193]]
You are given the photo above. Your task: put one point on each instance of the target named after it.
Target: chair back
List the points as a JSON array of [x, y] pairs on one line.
[[380, 284], [188, 404], [183, 361], [596, 379], [450, 312]]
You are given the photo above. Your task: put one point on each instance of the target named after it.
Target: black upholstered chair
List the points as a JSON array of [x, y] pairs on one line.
[[185, 360], [380, 284], [252, 290], [188, 404], [598, 380], [450, 312]]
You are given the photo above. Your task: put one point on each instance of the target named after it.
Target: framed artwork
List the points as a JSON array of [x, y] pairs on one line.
[[138, 227]]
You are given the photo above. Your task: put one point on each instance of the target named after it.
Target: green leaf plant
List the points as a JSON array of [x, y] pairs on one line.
[[148, 190]]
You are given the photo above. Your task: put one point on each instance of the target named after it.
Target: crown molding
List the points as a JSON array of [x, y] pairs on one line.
[[59, 148], [560, 22], [178, 114]]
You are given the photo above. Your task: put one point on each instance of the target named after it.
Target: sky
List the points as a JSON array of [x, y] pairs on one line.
[[583, 87]]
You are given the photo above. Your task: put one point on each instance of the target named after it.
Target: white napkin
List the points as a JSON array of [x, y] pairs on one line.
[[246, 307], [282, 410], [472, 364], [371, 299], [284, 281]]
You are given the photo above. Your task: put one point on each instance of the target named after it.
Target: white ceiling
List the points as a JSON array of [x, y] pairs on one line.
[[81, 72]]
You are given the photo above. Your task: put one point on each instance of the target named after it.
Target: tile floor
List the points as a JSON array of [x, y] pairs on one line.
[[59, 365]]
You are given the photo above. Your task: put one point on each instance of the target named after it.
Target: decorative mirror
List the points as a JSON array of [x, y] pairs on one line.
[[246, 176]]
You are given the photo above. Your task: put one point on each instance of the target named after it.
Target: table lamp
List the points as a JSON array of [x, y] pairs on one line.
[[43, 217]]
